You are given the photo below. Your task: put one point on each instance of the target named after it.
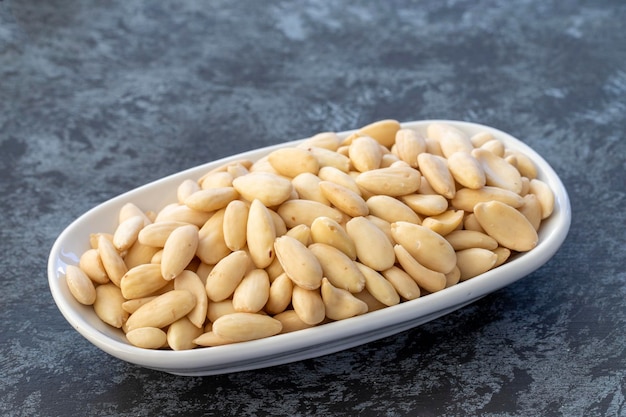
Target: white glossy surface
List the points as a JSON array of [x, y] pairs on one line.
[[304, 344]]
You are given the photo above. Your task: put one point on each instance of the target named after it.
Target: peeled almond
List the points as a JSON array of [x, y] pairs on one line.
[[506, 225]]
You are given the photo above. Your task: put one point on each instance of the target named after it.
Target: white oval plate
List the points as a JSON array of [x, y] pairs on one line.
[[304, 344]]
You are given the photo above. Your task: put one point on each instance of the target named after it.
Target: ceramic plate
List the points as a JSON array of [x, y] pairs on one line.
[[304, 344]]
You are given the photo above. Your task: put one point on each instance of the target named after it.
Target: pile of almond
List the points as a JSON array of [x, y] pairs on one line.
[[325, 230]]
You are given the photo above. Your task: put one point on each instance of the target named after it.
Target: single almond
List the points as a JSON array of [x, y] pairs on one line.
[[340, 304], [162, 311], [506, 225], [179, 250], [241, 327], [80, 285], [299, 262]]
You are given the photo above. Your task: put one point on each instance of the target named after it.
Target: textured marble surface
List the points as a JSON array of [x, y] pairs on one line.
[[97, 98]]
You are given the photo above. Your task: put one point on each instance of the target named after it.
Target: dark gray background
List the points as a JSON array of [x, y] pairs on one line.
[[97, 98]]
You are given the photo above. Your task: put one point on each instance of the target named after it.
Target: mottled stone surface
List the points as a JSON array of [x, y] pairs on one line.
[[97, 98]]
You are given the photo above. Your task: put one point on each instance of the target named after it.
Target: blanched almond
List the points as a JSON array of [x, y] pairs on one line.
[[190, 281], [326, 230], [391, 209], [129, 210], [466, 239], [260, 234], [295, 212], [301, 233], [270, 189], [525, 187], [378, 286], [524, 163], [437, 130], [156, 234], [453, 140], [426, 204], [185, 189], [365, 153], [425, 188], [494, 146], [532, 210], [503, 255], [224, 167], [426, 278], [279, 224], [226, 275], [108, 305], [182, 213], [218, 309], [506, 225], [210, 338], [182, 333], [344, 199], [279, 294], [384, 131], [95, 237], [274, 269], [80, 285], [453, 277], [217, 179], [179, 250], [392, 181], [372, 246], [307, 186], [299, 262], [339, 177], [263, 165], [326, 140], [544, 195], [470, 223], [142, 280], [291, 321], [445, 222], [372, 303], [147, 337], [389, 159], [162, 311], [91, 265], [338, 267], [404, 285], [211, 199], [498, 172], [466, 170], [126, 232], [408, 145], [432, 146], [131, 306], [435, 169], [474, 261], [340, 304], [235, 224], [308, 304], [211, 242], [237, 170], [328, 158], [291, 162], [481, 138], [252, 292], [139, 254], [466, 198], [111, 260], [427, 247], [383, 225], [241, 327]]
